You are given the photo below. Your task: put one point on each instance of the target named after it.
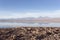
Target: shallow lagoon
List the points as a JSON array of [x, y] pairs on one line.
[[10, 25]]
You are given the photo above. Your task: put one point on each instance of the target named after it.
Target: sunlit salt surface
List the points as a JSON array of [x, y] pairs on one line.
[[11, 25]]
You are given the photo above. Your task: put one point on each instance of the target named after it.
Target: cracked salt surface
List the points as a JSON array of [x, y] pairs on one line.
[[10, 25]]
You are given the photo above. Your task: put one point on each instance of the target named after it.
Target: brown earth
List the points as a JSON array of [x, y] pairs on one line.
[[56, 20], [30, 33]]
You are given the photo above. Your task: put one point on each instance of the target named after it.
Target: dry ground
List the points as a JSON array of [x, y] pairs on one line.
[[30, 33]]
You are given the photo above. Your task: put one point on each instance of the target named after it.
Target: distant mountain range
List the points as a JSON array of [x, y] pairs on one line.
[[31, 19]]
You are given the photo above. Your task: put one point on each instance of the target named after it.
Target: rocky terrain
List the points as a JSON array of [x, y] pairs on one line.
[[30, 33]]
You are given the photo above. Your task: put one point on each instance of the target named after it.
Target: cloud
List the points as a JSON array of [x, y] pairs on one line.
[[8, 14]]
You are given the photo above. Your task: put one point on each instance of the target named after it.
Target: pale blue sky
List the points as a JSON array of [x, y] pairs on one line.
[[29, 8]]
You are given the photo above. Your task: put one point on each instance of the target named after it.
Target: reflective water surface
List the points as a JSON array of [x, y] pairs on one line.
[[9, 24]]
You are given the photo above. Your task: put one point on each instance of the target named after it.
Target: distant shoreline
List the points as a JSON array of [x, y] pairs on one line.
[[55, 20]]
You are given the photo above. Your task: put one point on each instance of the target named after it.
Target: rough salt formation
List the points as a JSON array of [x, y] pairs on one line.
[[30, 33]]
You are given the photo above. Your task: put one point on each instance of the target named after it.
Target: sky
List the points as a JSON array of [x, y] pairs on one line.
[[29, 8]]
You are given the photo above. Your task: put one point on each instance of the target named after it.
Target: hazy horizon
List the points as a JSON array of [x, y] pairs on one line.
[[29, 8]]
